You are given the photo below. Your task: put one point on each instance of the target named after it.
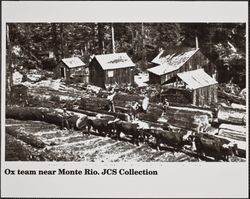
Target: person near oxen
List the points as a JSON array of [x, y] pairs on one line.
[[65, 120], [165, 106], [110, 99], [134, 110], [145, 103]]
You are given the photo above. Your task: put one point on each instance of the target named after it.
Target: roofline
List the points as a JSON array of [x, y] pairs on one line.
[[85, 65], [198, 87], [113, 68], [177, 68], [165, 73], [203, 86], [119, 68]]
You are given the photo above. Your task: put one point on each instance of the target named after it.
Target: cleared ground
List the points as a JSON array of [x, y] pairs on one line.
[[75, 146]]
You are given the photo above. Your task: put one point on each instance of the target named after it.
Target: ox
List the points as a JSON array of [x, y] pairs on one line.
[[209, 145], [128, 128], [171, 137]]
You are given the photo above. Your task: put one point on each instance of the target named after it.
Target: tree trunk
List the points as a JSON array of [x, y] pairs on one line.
[[62, 41], [55, 41], [49, 115], [100, 37]]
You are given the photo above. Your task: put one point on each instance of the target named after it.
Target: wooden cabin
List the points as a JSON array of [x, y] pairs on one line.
[[109, 69], [169, 63], [72, 70], [202, 86]]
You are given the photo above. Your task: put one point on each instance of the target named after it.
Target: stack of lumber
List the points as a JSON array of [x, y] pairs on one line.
[[231, 115], [236, 132]]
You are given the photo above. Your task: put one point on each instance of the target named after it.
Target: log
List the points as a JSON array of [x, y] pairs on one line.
[[177, 116], [238, 106], [49, 115], [235, 132], [231, 97], [231, 115], [25, 137]]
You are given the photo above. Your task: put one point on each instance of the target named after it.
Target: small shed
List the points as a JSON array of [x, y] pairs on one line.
[[170, 62], [202, 86], [110, 69], [72, 70]]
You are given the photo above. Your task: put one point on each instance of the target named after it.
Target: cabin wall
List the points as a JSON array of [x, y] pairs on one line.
[[154, 79], [58, 71], [73, 75], [206, 96], [119, 76], [96, 74], [79, 75], [197, 61]]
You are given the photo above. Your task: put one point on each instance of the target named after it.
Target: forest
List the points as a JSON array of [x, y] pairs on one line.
[[28, 44]]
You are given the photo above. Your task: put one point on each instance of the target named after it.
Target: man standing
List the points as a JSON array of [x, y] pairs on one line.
[[65, 122], [110, 99], [165, 106], [145, 104]]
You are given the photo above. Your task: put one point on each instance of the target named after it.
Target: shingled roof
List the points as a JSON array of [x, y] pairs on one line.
[[114, 61], [73, 62], [171, 60], [196, 79]]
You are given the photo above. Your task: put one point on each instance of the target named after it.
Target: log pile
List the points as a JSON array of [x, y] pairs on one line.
[[231, 115], [50, 116]]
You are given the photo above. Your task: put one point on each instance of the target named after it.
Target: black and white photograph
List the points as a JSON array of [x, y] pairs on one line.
[[126, 92], [124, 99]]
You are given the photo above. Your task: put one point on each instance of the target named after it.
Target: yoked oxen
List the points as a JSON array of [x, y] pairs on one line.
[[130, 129], [175, 138], [99, 124], [78, 122], [216, 147]]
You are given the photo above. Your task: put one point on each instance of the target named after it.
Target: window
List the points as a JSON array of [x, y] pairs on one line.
[[110, 73]]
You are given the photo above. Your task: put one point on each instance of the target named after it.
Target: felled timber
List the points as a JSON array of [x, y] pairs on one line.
[[90, 113], [231, 115], [25, 137], [238, 106], [231, 97], [235, 132], [49, 115]]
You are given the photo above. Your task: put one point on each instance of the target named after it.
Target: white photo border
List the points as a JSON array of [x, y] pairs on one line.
[[182, 180]]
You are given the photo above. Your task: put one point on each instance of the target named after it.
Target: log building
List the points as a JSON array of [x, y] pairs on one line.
[[194, 87], [168, 63], [72, 70], [110, 69]]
